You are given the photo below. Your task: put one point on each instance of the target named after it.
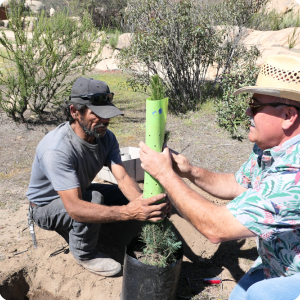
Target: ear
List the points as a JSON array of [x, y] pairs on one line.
[[290, 117], [74, 112]]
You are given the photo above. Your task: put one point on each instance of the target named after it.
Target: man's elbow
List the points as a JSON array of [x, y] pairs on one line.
[[214, 237], [215, 240], [74, 214]]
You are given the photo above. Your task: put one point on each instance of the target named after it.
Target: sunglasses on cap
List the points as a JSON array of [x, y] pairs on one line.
[[97, 99], [255, 106]]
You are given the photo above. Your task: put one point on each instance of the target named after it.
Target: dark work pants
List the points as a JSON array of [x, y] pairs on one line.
[[81, 237]]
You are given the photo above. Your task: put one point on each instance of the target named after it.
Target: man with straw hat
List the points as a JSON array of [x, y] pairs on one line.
[[265, 191]]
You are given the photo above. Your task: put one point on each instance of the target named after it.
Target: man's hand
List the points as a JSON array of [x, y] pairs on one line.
[[156, 164], [146, 209], [181, 165]]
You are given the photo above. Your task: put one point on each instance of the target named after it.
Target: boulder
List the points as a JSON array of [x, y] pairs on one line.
[[29, 23], [272, 43], [109, 64], [35, 6], [5, 3], [107, 52], [4, 23], [282, 6], [267, 39], [124, 40]]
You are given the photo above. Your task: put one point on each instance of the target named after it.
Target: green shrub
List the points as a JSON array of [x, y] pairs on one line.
[[231, 110], [36, 69], [114, 38], [180, 40]]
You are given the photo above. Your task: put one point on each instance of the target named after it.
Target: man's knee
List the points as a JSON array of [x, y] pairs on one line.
[[93, 196], [260, 290]]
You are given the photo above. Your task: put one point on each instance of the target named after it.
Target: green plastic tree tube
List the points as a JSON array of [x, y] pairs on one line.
[[156, 116]]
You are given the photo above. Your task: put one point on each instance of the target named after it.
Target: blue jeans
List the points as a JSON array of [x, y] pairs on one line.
[[254, 286], [81, 237]]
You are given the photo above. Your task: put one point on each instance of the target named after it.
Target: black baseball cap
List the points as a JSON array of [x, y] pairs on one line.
[[95, 94]]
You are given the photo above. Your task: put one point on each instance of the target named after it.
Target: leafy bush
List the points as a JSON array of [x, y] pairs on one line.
[[36, 69], [180, 40], [231, 110], [105, 13]]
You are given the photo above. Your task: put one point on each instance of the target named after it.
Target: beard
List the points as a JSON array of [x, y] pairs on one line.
[[93, 132]]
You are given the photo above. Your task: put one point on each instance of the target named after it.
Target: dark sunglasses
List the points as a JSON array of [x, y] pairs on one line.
[[97, 99], [255, 106]]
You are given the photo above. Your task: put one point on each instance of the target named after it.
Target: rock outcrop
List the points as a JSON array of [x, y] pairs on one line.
[[109, 55], [35, 6], [124, 41], [272, 42], [282, 6]]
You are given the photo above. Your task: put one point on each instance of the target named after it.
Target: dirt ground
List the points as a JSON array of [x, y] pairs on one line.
[[50, 272]]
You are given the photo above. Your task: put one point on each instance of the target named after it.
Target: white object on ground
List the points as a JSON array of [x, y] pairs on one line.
[[52, 11], [131, 160]]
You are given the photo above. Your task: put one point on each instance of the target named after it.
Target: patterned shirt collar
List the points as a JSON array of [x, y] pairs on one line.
[[268, 156], [279, 150]]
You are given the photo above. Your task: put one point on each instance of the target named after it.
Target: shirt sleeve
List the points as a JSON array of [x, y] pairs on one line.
[[114, 156], [273, 207], [59, 169]]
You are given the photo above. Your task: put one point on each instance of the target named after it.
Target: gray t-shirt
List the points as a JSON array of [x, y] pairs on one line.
[[64, 161]]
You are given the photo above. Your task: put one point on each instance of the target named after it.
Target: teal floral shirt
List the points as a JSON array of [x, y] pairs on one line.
[[271, 208]]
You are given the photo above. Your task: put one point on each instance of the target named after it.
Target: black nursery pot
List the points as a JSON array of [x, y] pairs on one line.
[[145, 282]]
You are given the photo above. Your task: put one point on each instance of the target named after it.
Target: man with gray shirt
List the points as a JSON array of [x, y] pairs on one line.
[[67, 160]]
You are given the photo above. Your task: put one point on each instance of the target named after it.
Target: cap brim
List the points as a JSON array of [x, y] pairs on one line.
[[270, 91], [105, 111]]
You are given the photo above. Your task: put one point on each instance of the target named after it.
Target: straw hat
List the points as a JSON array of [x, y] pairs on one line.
[[279, 76]]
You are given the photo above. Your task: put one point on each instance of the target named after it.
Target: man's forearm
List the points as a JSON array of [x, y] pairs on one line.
[[220, 185], [129, 188], [213, 221], [87, 212]]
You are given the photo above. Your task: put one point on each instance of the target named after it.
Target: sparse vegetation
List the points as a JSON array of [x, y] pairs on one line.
[[273, 20], [35, 69], [293, 38], [113, 38]]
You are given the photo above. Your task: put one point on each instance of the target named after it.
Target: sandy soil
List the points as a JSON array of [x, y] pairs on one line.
[[50, 272]]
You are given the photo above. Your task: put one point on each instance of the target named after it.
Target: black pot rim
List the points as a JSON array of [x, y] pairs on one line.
[[139, 263]]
